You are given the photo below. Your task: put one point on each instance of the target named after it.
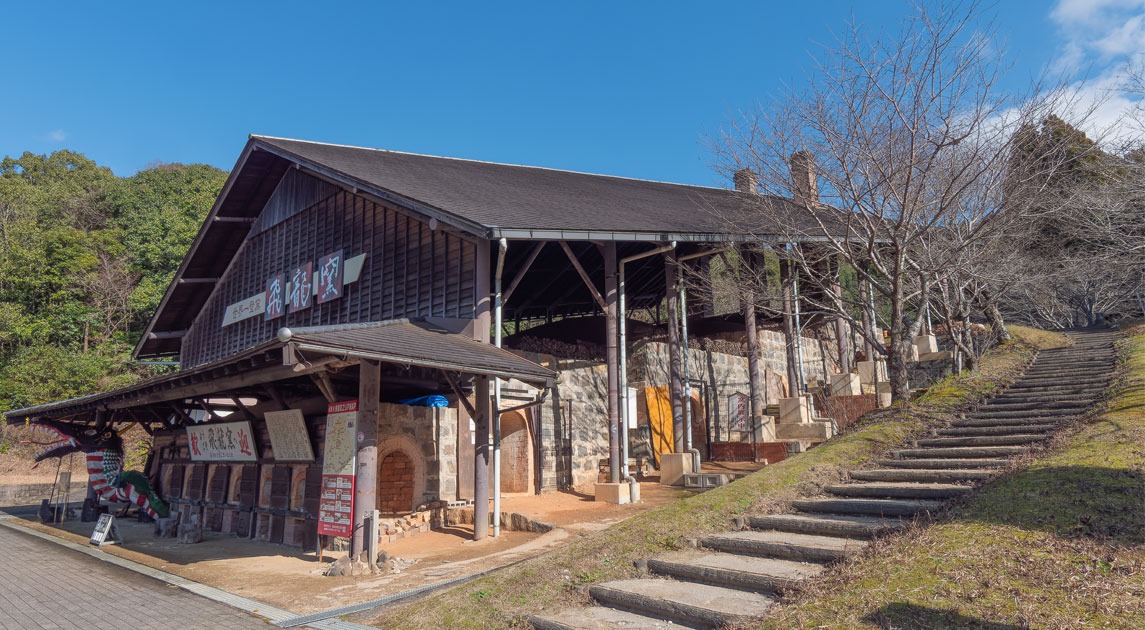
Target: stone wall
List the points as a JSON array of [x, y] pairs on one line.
[[427, 436], [573, 423]]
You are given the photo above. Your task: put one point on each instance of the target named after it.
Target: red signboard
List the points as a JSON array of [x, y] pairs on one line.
[[336, 506]]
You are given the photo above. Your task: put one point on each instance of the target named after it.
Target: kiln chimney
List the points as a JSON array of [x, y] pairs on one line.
[[804, 183], [746, 181]]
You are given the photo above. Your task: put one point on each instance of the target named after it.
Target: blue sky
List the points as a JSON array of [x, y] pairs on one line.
[[624, 88]]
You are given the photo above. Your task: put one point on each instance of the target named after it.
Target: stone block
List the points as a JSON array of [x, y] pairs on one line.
[[673, 467], [846, 385], [869, 370], [935, 356], [884, 400], [618, 493], [806, 431], [794, 410], [926, 344]]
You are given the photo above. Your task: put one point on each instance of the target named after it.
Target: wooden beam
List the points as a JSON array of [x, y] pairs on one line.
[[167, 334], [325, 385], [243, 409], [522, 271], [584, 276], [246, 220], [220, 385], [461, 398], [198, 280]]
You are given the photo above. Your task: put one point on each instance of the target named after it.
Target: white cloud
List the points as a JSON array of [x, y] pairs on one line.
[[58, 135], [1099, 40]]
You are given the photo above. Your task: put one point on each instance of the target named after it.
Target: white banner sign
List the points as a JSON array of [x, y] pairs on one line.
[[227, 442]]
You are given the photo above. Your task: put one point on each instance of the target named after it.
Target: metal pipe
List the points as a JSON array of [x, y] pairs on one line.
[[802, 385], [688, 447], [624, 419], [502, 248]]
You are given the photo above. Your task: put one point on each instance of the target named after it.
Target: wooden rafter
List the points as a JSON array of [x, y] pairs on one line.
[[524, 269], [584, 276]]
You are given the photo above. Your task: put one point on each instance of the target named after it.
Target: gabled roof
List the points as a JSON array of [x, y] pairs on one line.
[[495, 200], [485, 199], [403, 342]]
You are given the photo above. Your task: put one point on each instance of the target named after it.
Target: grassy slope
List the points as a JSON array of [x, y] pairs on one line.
[[1060, 544], [557, 580]]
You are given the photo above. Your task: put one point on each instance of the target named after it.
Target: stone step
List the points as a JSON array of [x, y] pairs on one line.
[[784, 545], [700, 605], [925, 475], [1034, 413], [1006, 422], [944, 464], [827, 524], [1097, 382], [746, 573], [1005, 429], [899, 490], [1076, 399], [1054, 390], [1067, 374], [960, 452], [985, 440], [598, 618], [996, 405], [869, 507]]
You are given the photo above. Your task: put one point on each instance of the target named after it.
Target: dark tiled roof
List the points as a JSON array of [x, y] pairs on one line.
[[417, 343], [502, 197]]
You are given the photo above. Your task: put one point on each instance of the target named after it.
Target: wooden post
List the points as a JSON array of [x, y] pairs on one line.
[[842, 334], [755, 378], [611, 316], [481, 459], [366, 470], [675, 369]]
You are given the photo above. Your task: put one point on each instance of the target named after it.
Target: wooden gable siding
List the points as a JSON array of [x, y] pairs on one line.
[[296, 192], [409, 271]]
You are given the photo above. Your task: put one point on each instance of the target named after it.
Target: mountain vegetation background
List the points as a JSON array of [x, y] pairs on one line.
[[85, 258]]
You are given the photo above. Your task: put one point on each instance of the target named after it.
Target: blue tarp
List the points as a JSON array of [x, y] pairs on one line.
[[433, 400]]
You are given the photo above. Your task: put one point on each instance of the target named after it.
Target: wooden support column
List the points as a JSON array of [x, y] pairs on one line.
[[366, 470], [612, 346], [787, 280], [675, 368], [761, 431], [868, 318], [481, 459]]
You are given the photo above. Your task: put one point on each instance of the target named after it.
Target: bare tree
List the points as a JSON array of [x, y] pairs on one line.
[[895, 155]]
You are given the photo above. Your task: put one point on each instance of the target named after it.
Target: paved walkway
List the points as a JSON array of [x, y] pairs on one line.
[[43, 585]]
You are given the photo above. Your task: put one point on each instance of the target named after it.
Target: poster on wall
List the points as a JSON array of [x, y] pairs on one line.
[[336, 502], [288, 437], [226, 442]]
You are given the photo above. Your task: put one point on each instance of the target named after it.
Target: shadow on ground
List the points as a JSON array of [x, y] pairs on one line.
[[902, 616], [1071, 501]]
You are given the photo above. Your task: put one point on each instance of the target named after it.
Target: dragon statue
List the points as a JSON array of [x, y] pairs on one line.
[[104, 451]]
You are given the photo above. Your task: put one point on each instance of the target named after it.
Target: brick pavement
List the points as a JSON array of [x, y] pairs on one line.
[[45, 586]]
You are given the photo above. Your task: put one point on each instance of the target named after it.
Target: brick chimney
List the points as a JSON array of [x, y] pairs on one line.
[[804, 182], [746, 181]]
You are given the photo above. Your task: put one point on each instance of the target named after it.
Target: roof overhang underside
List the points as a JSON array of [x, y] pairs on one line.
[[304, 352]]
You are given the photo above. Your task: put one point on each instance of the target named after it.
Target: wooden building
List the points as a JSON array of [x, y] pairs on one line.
[[327, 274]]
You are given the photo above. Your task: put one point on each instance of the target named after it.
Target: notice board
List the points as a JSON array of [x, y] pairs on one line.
[[336, 503]]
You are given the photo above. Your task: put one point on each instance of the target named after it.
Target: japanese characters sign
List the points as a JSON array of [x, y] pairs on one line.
[[336, 503], [288, 437], [330, 277], [275, 296], [226, 442], [739, 405], [301, 287]]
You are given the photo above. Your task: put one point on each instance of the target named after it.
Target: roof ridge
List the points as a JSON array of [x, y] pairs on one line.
[[475, 161]]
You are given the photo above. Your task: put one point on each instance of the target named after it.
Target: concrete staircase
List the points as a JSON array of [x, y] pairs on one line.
[[736, 576]]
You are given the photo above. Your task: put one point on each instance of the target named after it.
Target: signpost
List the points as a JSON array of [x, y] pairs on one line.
[[336, 502], [104, 527], [224, 442], [739, 405]]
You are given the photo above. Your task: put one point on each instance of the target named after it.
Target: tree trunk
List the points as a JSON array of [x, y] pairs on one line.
[[994, 316]]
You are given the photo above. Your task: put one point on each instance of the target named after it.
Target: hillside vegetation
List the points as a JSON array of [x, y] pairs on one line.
[[85, 258], [559, 579]]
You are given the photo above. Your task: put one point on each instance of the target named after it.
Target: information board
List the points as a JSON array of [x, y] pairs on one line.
[[226, 442], [336, 503], [105, 527], [288, 437]]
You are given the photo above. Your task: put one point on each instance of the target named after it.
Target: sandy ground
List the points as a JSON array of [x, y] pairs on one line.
[[292, 579]]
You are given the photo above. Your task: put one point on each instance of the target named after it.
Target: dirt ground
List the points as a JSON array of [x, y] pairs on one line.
[[292, 579]]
